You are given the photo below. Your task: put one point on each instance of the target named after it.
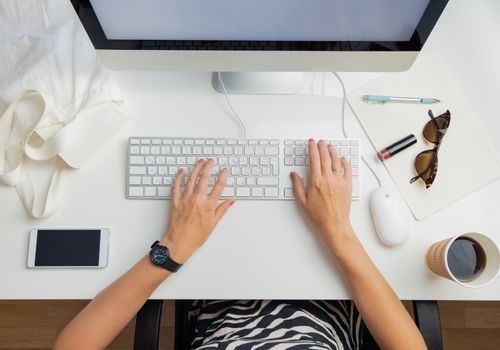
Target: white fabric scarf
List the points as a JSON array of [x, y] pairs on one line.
[[57, 100]]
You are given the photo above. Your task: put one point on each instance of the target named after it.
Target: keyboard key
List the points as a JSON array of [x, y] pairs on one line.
[[288, 161], [243, 192], [135, 141], [228, 192], [134, 180], [275, 164], [134, 149], [150, 191], [288, 151], [300, 161], [136, 160], [157, 180], [257, 191], [152, 170], [145, 149], [271, 192], [146, 180], [164, 191], [355, 187], [300, 151], [288, 192], [136, 191], [256, 171], [267, 181], [155, 149], [272, 151], [137, 170]]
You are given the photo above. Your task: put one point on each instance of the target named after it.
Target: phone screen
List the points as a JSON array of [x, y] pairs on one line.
[[67, 248]]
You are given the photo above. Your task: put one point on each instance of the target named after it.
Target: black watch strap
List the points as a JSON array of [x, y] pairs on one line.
[[169, 263]]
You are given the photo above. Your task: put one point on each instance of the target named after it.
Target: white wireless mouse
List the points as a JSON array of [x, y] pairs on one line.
[[391, 222]]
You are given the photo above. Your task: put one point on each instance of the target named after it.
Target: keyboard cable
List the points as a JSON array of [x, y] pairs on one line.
[[233, 111], [344, 99]]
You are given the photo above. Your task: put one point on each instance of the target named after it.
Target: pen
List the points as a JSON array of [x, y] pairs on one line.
[[384, 99]]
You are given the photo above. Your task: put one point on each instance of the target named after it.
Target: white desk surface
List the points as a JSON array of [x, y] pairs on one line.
[[260, 249]]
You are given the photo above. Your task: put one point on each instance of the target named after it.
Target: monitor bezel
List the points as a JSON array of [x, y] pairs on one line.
[[429, 19]]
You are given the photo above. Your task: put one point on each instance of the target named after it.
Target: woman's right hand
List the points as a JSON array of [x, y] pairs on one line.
[[327, 200]]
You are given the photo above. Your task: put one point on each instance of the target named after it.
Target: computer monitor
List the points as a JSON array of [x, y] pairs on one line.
[[259, 35]]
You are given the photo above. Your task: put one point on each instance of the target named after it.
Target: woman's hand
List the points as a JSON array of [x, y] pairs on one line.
[[194, 212], [327, 201]]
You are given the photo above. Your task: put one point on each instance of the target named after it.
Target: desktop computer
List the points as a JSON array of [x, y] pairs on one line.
[[257, 47]]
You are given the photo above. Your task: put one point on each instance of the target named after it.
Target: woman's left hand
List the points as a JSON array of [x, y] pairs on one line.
[[194, 212]]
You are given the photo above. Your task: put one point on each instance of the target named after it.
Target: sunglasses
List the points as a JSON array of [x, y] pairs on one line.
[[426, 162]]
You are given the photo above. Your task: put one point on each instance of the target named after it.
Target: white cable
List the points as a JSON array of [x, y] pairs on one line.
[[344, 98], [234, 114]]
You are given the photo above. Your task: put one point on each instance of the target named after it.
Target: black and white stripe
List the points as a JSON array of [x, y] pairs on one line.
[[276, 325]]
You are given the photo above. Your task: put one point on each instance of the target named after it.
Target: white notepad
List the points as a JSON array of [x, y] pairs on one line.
[[467, 159]]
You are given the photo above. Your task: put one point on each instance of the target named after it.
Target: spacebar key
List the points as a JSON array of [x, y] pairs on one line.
[[267, 181]]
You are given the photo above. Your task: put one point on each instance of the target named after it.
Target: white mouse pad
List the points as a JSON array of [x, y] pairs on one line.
[[467, 159]]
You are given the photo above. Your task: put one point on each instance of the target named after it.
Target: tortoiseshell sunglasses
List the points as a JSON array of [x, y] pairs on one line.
[[426, 162]]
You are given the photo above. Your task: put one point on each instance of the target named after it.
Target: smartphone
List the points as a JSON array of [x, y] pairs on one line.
[[60, 248]]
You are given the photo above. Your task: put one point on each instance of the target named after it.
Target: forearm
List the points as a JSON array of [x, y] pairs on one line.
[[382, 311], [103, 318]]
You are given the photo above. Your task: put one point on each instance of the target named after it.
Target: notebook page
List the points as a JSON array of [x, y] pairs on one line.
[[467, 159]]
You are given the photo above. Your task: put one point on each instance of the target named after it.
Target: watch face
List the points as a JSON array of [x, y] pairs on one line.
[[159, 255]]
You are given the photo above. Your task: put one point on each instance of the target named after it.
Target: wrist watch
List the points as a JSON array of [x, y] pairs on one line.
[[160, 256]]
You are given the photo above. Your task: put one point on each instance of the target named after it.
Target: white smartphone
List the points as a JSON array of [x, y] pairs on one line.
[[68, 248]]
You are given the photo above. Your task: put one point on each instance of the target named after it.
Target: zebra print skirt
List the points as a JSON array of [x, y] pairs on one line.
[[277, 325]]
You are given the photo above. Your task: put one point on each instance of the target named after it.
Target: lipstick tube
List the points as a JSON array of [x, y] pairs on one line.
[[396, 147]]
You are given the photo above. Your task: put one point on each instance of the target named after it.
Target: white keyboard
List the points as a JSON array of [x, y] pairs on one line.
[[259, 168]]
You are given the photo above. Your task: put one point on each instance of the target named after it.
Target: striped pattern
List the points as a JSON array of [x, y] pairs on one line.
[[277, 325]]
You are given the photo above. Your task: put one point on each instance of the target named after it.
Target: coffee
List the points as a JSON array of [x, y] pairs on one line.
[[466, 259]]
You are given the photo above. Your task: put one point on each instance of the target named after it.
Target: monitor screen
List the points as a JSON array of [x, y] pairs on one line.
[[260, 20]]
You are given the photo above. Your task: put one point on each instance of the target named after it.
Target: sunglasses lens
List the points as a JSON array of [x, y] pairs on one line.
[[434, 129], [425, 165]]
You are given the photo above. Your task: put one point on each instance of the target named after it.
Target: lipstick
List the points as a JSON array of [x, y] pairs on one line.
[[397, 147]]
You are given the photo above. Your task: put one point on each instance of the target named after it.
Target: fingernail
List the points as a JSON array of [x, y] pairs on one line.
[[330, 145], [232, 202], [201, 160], [292, 174], [311, 140]]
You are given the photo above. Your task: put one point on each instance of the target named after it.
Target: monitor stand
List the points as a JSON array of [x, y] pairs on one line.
[[258, 83]]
